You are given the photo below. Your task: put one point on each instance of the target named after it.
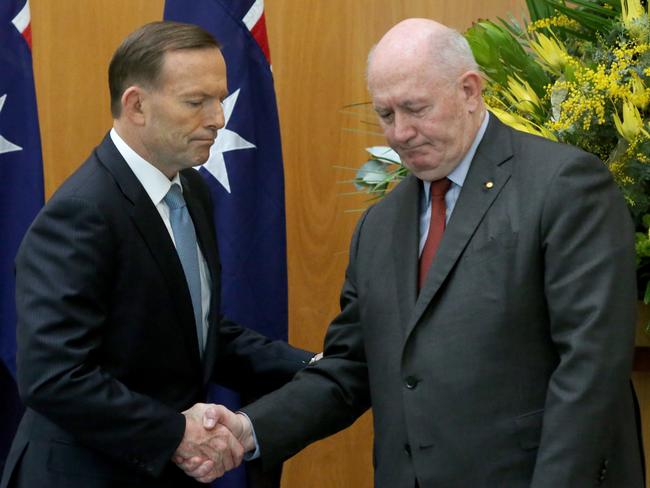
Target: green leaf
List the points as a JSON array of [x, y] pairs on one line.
[[539, 9], [500, 54], [592, 16], [372, 172], [514, 28]]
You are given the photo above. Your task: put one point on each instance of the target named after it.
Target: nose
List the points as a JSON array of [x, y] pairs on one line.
[[403, 129], [214, 116]]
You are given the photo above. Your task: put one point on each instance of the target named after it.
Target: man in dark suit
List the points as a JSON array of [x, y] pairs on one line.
[[500, 356], [118, 290]]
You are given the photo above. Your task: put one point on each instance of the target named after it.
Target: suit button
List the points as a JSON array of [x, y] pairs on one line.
[[411, 382], [407, 449]]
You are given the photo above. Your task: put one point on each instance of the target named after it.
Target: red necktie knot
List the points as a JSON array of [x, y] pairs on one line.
[[439, 187]]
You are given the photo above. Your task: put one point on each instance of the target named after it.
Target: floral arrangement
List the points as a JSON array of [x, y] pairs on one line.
[[575, 72]]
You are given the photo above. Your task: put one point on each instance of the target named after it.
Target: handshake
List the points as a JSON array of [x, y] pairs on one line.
[[214, 442]]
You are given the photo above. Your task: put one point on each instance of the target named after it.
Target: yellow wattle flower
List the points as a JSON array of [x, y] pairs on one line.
[[631, 10], [551, 51], [632, 124]]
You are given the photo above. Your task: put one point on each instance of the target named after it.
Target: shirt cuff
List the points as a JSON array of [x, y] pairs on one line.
[[250, 455]]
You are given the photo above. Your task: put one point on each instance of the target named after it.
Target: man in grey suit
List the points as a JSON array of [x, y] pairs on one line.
[[508, 365]]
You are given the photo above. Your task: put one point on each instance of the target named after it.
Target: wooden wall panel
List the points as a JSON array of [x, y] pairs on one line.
[[318, 49], [73, 43]]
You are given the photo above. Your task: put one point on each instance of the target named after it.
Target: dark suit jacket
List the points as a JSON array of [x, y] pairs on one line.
[[107, 347], [511, 368]]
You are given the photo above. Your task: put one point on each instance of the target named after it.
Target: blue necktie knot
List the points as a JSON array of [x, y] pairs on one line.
[[174, 198]]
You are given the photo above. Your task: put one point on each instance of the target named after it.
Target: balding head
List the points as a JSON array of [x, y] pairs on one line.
[[419, 43]]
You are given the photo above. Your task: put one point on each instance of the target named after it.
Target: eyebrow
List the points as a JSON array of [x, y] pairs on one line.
[[411, 103]]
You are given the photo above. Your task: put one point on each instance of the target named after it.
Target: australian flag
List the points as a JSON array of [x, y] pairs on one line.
[[21, 174], [245, 176]]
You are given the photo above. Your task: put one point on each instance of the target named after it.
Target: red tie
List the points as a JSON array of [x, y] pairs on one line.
[[436, 226]]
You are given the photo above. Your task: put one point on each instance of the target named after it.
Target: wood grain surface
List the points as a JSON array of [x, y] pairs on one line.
[[318, 49]]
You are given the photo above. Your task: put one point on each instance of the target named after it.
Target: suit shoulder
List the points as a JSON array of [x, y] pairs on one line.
[[533, 150], [91, 181], [89, 194]]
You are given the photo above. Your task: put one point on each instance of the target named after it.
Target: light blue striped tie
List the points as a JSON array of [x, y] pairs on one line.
[[185, 238]]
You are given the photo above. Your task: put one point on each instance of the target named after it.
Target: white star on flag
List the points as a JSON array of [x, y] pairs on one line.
[[226, 140], [5, 145]]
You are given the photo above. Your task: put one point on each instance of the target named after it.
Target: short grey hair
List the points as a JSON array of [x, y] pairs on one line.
[[453, 53]]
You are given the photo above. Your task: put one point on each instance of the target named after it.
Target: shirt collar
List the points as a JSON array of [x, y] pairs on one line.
[[458, 175], [155, 183]]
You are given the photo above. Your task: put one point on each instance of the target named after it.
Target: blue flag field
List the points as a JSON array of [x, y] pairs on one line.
[[21, 173]]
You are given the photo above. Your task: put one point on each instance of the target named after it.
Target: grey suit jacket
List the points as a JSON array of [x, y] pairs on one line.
[[511, 367]]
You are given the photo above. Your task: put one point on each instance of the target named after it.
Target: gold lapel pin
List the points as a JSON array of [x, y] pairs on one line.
[[489, 185]]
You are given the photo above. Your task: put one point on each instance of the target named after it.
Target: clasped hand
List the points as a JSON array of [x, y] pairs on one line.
[[214, 442]]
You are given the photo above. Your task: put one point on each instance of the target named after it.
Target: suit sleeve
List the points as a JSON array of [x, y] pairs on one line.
[[254, 364], [63, 274], [588, 250], [324, 398]]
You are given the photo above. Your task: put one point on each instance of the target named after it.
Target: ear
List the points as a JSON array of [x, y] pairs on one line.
[[471, 83], [133, 101]]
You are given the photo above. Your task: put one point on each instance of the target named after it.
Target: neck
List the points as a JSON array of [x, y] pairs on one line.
[[131, 138]]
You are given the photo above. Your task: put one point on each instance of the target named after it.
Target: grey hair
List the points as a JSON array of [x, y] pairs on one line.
[[453, 53]]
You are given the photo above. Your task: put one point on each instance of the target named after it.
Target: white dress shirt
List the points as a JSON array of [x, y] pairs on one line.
[[156, 184]]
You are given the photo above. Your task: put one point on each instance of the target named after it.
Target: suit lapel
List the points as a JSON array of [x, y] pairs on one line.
[[155, 235], [476, 197], [405, 245]]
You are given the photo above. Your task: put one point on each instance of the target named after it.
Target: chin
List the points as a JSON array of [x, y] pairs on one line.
[[426, 172], [419, 168], [200, 159]]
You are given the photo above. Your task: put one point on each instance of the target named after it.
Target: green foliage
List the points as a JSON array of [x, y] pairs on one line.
[[577, 72], [500, 55]]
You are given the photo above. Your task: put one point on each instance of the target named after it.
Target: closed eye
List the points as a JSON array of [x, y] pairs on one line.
[[385, 116], [418, 110]]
